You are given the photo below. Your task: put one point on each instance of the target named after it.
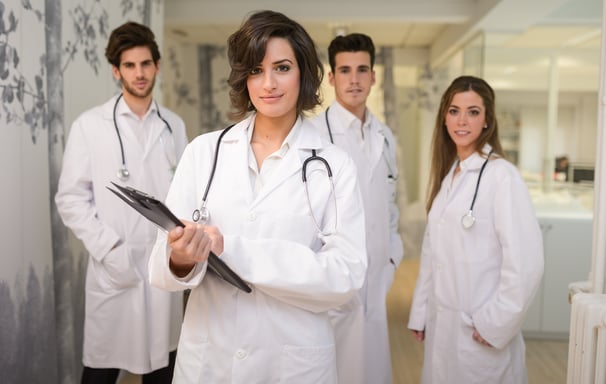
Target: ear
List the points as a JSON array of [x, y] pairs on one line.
[[331, 78], [373, 78], [116, 72]]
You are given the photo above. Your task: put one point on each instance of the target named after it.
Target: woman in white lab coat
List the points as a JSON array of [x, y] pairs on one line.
[[482, 256], [262, 224]]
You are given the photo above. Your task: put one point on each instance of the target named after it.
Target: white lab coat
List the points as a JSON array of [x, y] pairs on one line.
[[363, 351], [128, 324], [279, 333], [484, 277]]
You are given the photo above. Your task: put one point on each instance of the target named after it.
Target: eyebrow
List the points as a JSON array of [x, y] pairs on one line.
[[283, 61], [470, 107]]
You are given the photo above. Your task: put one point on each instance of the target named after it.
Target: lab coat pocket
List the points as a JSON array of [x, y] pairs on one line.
[[194, 364], [117, 269], [483, 364], [304, 365]]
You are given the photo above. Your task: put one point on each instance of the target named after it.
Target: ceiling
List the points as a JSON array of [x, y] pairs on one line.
[[515, 31]]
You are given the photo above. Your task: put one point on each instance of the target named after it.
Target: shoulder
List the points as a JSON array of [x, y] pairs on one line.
[[91, 119], [505, 172], [171, 117]]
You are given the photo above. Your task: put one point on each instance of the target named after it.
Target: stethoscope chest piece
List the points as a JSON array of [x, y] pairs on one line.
[[201, 215], [468, 220], [123, 174]]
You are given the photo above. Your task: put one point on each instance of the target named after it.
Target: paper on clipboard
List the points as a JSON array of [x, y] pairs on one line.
[[156, 212]]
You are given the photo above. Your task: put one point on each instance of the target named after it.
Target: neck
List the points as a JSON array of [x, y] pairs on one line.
[[139, 105], [272, 130]]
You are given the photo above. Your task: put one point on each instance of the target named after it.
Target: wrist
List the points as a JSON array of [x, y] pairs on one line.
[[180, 270]]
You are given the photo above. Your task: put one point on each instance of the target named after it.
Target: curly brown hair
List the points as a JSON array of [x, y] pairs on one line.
[[246, 50]]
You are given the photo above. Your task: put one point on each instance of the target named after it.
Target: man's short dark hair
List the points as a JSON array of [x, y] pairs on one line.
[[130, 35], [354, 42]]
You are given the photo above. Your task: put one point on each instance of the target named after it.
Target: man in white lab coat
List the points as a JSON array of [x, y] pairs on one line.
[[363, 352], [132, 141]]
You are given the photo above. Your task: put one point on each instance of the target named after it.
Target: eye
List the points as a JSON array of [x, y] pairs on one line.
[[453, 111], [255, 71], [283, 68], [474, 112]]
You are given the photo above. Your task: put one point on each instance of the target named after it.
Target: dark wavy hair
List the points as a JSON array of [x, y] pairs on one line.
[[354, 42], [246, 50], [130, 35], [444, 150]]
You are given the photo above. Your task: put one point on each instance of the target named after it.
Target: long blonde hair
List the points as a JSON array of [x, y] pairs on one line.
[[444, 150]]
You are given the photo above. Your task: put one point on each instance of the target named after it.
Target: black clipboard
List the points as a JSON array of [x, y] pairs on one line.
[[156, 212]]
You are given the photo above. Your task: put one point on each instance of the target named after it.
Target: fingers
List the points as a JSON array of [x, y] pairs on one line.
[[478, 338], [418, 335], [190, 244]]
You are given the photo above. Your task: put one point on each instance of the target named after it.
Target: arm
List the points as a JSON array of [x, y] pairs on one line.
[[396, 248], [290, 271], [520, 239], [75, 197], [418, 309]]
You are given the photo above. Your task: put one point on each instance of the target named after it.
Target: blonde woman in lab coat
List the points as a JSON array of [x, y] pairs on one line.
[[262, 224], [482, 260]]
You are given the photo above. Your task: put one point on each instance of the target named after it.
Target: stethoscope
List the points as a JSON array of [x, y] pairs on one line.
[[123, 173], [391, 174], [468, 219], [202, 215]]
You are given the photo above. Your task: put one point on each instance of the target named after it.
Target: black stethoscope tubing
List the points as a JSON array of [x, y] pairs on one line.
[[391, 173], [468, 219], [475, 194], [214, 168], [123, 157], [203, 214]]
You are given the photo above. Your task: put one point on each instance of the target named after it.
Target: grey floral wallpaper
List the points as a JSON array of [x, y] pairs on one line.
[[52, 67]]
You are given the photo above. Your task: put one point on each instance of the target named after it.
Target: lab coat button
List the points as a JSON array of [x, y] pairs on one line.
[[252, 216], [241, 354]]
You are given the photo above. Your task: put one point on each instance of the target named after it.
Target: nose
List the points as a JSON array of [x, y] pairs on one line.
[[139, 71], [269, 81], [462, 120]]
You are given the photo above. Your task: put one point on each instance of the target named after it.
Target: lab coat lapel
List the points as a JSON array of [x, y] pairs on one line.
[[157, 128], [234, 152], [129, 139], [471, 168], [293, 160], [377, 145]]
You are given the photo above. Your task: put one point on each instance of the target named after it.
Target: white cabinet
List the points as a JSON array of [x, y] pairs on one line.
[[567, 239]]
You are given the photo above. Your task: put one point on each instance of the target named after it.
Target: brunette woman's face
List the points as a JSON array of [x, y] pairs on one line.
[[465, 119], [273, 86]]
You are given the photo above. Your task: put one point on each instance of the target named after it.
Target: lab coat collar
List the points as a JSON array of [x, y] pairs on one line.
[[475, 161], [378, 137], [234, 145]]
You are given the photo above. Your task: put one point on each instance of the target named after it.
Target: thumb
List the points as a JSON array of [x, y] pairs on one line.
[[175, 233]]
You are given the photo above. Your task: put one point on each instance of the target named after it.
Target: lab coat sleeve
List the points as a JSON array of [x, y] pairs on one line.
[[396, 248], [178, 199], [418, 311], [75, 198], [293, 272], [160, 274], [519, 235]]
